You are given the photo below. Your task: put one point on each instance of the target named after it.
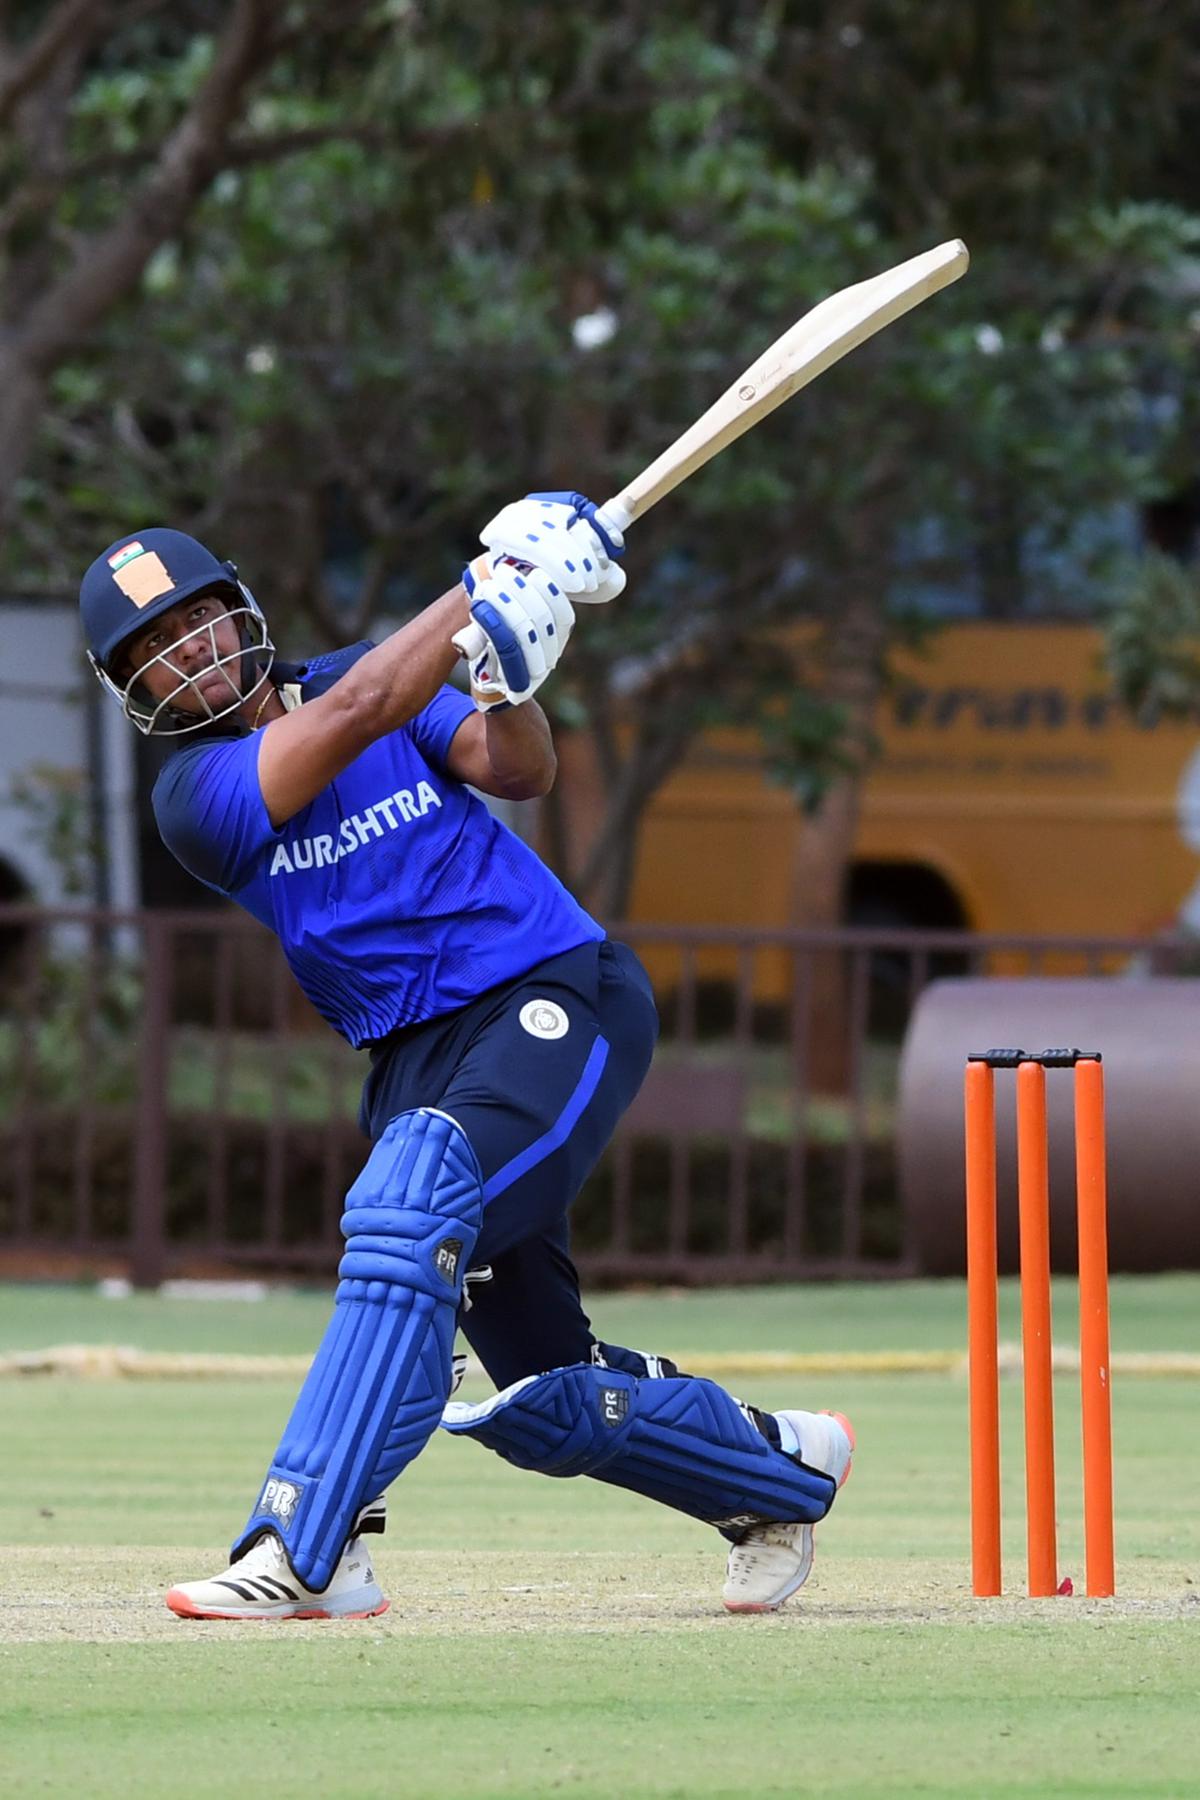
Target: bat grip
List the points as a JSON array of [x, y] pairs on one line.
[[470, 641], [617, 513]]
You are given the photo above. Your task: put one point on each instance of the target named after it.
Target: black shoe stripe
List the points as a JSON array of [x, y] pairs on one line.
[[262, 1587], [242, 1592], [280, 1589]]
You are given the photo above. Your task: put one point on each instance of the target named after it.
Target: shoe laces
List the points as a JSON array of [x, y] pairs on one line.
[[782, 1536], [262, 1557]]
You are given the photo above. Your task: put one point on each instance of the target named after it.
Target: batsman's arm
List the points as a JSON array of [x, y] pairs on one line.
[[301, 753], [508, 753]]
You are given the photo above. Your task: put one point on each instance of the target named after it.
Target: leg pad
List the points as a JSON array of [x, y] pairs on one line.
[[681, 1440], [382, 1372]]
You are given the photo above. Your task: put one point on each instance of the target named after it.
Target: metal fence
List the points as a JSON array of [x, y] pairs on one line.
[[168, 1100]]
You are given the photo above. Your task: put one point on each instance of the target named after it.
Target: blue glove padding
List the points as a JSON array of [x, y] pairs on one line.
[[504, 641], [587, 509], [525, 619]]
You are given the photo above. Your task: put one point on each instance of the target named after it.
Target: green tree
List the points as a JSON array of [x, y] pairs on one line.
[[1154, 639], [351, 355], [116, 117]]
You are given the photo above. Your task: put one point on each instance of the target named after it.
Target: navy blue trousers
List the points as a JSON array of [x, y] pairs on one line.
[[537, 1073]]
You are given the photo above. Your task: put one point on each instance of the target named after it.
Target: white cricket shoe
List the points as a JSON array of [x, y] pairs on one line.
[[261, 1585], [773, 1561]]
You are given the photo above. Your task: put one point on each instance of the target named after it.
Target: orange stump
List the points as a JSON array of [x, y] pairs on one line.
[[1095, 1396], [1033, 1202], [1033, 1205], [984, 1404]]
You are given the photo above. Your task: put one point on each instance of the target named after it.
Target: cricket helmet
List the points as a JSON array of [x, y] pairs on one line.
[[142, 576]]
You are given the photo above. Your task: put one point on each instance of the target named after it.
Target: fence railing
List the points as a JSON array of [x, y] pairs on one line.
[[168, 1099]]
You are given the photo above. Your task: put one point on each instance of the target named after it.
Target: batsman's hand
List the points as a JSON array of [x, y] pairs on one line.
[[525, 619], [568, 537]]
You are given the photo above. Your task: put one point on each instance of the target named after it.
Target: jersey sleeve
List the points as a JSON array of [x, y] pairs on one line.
[[433, 728], [210, 811]]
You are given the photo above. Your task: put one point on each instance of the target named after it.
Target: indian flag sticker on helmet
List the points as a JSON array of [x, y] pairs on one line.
[[140, 574], [125, 554]]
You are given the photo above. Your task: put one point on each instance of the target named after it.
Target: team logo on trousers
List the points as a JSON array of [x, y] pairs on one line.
[[544, 1019], [279, 1497]]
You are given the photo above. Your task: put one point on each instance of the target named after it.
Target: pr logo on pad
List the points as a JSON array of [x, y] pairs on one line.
[[614, 1404], [446, 1258], [279, 1497]]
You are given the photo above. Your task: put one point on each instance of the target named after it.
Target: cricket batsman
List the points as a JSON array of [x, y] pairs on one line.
[[506, 1035]]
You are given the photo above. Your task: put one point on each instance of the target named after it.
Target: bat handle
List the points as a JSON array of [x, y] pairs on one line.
[[617, 512], [470, 641]]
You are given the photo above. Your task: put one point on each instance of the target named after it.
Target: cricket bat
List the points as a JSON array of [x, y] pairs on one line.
[[813, 344]]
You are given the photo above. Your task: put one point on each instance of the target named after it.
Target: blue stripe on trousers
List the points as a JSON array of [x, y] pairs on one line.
[[559, 1132]]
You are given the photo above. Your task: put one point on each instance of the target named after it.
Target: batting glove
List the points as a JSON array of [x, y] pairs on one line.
[[525, 619], [573, 540]]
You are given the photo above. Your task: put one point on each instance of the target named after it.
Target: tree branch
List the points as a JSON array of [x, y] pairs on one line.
[[754, 601], [240, 153], [109, 266], [608, 752], [609, 864], [246, 152], [661, 691], [243, 153], [370, 593], [554, 829], [26, 71]]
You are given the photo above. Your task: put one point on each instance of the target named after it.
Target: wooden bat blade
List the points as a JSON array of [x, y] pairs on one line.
[[813, 344]]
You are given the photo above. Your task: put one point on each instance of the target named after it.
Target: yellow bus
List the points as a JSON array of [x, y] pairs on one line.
[[1012, 793]]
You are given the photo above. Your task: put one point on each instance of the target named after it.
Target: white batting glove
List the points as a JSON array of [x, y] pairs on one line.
[[567, 536], [525, 619]]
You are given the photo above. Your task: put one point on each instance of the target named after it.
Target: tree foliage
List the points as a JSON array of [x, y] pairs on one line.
[[358, 328], [1154, 639]]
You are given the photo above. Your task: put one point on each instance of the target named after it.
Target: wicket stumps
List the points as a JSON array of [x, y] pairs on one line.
[[1033, 1206]]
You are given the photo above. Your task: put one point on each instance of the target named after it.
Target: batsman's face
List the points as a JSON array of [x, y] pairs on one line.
[[190, 655]]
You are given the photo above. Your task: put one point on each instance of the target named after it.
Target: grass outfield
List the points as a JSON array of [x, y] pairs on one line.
[[552, 1637]]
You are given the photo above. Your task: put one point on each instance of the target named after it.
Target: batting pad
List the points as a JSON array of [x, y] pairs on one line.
[[682, 1440], [382, 1373]]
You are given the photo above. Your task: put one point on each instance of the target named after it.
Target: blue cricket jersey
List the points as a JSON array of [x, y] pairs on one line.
[[395, 893]]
